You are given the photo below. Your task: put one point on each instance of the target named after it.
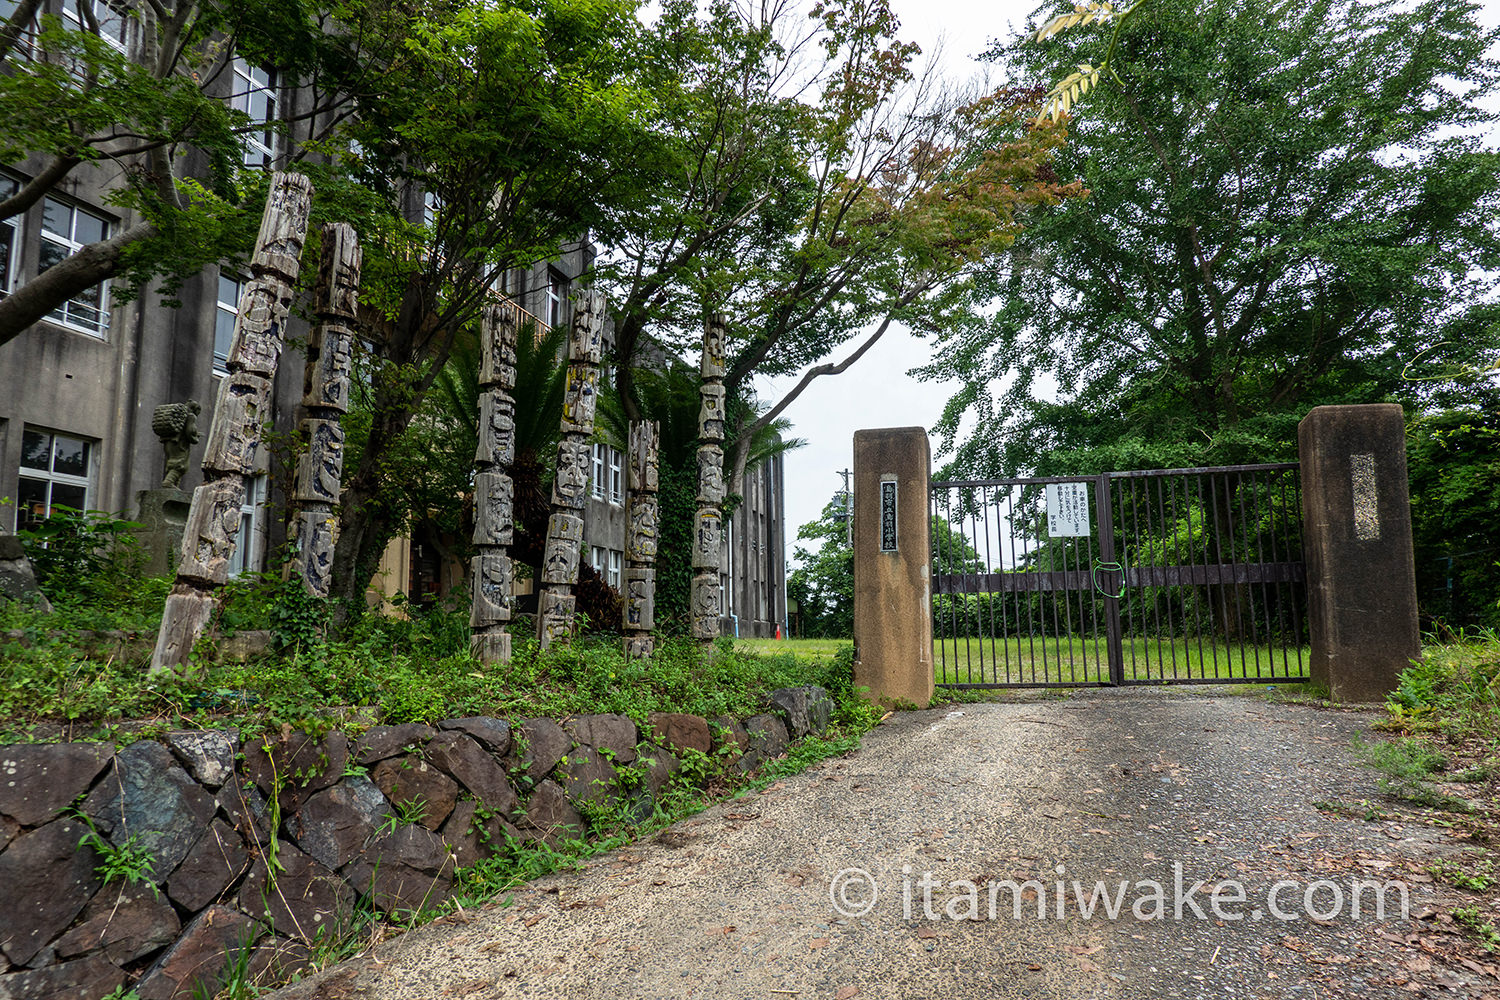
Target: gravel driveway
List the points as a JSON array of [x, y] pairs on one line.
[[1104, 785]]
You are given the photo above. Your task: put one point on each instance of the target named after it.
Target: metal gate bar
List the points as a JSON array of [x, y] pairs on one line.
[[1207, 573]]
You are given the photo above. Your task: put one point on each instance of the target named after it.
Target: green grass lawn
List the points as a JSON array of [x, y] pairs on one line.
[[808, 649], [1019, 660]]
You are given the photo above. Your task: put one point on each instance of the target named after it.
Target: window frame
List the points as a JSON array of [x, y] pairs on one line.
[[556, 298], [121, 15], [613, 574], [248, 557], [51, 477], [221, 367], [616, 477], [63, 314], [598, 466], [261, 145], [10, 262]]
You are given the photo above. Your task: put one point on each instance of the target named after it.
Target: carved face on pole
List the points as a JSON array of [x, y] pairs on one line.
[[570, 487]]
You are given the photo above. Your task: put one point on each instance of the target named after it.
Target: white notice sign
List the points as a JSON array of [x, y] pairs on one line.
[[1068, 510]]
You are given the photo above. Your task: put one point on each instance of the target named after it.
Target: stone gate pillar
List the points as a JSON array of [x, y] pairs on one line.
[[893, 564], [1361, 572]]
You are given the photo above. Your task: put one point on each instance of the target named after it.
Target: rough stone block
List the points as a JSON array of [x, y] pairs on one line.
[[17, 578], [84, 979], [660, 767], [587, 778], [380, 742], [413, 783], [805, 709], [679, 731], [614, 734], [768, 740], [406, 871], [334, 825], [208, 755], [124, 924], [148, 796], [539, 745], [37, 781], [300, 763], [475, 769], [550, 817], [493, 734], [201, 955], [48, 878], [729, 732], [217, 859], [306, 896], [472, 838]]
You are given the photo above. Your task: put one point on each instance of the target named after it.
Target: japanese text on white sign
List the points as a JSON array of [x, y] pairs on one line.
[[1068, 510]]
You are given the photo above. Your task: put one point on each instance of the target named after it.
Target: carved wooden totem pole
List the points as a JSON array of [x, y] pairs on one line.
[[325, 399], [555, 608], [244, 403], [640, 540], [494, 493], [708, 529]]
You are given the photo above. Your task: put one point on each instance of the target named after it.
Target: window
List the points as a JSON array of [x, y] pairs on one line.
[[601, 461], [254, 94], [56, 471], [557, 297], [616, 559], [248, 544], [597, 559], [230, 289], [430, 205], [616, 476], [113, 18], [10, 243], [66, 229]]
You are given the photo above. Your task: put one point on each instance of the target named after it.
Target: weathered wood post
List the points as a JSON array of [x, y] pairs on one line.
[[325, 399], [709, 528], [244, 403], [641, 539], [494, 492], [556, 604]]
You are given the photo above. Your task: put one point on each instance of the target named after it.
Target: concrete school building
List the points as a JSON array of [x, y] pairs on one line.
[[78, 388]]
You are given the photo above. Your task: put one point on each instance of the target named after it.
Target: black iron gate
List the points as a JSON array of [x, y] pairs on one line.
[[1167, 576]]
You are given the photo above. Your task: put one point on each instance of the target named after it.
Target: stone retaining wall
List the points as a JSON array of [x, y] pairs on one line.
[[380, 821]]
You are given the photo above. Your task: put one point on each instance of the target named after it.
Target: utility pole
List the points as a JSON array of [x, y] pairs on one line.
[[848, 495]]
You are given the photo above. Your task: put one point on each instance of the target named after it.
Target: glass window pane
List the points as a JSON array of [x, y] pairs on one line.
[[229, 292], [36, 450], [7, 185], [56, 217], [7, 247], [70, 456], [87, 228], [51, 253], [223, 335], [31, 505], [67, 495]]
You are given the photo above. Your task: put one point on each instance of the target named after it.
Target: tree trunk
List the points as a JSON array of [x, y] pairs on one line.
[[59, 283]]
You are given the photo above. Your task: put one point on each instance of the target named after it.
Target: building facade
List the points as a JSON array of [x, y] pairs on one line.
[[78, 388]]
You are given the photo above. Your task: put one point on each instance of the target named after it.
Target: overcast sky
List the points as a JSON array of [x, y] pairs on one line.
[[877, 392]]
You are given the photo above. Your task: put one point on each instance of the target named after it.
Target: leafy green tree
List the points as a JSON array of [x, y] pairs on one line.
[[823, 585], [1287, 206], [1454, 460], [515, 124], [74, 103]]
